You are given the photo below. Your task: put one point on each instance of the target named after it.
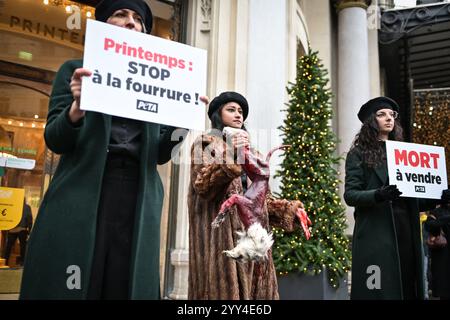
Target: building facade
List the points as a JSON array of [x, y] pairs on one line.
[[253, 47]]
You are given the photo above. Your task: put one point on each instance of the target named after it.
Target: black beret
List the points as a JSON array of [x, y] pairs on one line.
[[225, 97], [106, 8], [372, 106]]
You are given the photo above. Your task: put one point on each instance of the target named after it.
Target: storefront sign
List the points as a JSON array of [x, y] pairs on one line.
[[11, 207], [143, 77], [418, 170], [50, 22], [45, 30], [17, 163]]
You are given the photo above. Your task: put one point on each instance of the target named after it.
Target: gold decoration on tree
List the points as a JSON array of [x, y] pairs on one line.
[[431, 120]]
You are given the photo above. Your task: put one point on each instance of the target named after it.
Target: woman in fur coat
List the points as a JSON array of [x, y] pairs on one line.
[[215, 176]]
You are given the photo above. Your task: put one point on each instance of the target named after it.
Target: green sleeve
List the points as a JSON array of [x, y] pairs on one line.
[[60, 134]]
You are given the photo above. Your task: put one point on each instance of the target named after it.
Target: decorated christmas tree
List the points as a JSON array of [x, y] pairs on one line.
[[309, 174]]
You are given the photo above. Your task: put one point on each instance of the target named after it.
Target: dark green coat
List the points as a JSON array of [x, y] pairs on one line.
[[64, 231], [374, 236]]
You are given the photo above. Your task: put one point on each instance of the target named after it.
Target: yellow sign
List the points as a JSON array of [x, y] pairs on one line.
[[11, 207]]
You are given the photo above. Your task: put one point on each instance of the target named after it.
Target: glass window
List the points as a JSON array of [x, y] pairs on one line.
[[22, 122]]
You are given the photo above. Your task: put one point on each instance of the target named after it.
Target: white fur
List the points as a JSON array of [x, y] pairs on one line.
[[252, 244]]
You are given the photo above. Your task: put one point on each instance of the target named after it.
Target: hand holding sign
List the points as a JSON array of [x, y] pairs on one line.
[[142, 77], [387, 193], [204, 99], [75, 114], [418, 170]]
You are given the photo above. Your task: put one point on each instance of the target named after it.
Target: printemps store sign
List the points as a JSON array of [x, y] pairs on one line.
[[46, 21]]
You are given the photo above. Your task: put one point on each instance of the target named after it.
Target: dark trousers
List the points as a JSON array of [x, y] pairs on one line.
[[110, 271], [11, 240]]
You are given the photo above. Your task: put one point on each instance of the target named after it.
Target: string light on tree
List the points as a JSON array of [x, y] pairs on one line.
[[431, 120], [308, 174]]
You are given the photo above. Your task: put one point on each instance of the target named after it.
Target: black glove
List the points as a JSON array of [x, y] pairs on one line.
[[445, 195], [385, 193]]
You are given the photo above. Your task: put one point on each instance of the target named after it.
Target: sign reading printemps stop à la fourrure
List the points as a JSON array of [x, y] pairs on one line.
[[142, 77], [418, 170]]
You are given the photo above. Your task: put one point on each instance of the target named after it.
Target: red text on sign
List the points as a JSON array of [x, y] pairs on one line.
[[139, 52], [416, 159]]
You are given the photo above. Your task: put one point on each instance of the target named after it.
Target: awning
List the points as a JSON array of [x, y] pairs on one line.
[[414, 49]]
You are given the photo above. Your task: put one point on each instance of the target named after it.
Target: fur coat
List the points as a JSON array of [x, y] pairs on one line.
[[213, 275]]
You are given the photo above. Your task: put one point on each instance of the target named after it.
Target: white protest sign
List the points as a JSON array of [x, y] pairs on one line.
[[418, 170], [143, 77]]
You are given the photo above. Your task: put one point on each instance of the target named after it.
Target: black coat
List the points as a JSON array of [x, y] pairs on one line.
[[440, 257], [374, 237]]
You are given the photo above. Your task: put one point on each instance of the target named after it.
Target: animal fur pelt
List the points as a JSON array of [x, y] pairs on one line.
[[253, 244]]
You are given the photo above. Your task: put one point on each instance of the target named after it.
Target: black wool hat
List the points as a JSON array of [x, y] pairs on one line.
[[225, 97], [372, 106], [106, 8]]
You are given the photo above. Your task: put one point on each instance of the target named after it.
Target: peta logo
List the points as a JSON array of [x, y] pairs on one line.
[[419, 189], [147, 106]]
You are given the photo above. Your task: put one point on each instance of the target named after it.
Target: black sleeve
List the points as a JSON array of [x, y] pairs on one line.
[[427, 204], [29, 217], [355, 192], [433, 226], [170, 141], [441, 218]]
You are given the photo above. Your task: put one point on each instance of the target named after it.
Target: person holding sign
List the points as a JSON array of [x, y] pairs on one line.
[[387, 251], [216, 174], [97, 233]]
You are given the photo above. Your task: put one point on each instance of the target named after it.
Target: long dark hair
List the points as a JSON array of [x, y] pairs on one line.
[[216, 120], [367, 141]]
